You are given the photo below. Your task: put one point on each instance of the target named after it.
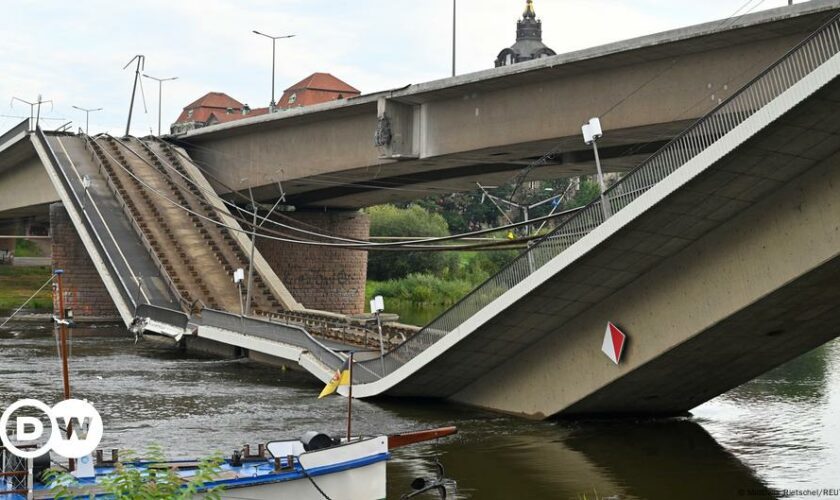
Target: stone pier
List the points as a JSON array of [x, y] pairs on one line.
[[329, 279], [84, 290]]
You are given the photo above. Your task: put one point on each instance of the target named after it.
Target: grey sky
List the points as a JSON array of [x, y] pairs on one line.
[[73, 52]]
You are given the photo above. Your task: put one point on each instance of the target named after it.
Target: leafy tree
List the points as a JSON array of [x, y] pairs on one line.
[[589, 190], [413, 221]]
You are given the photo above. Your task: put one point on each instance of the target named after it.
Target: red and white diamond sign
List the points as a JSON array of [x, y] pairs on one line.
[[614, 340]]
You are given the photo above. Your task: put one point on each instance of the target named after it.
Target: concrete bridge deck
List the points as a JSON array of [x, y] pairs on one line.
[[718, 256], [487, 126], [720, 264]]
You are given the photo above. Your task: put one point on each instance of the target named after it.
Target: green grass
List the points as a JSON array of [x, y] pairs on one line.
[[27, 248], [420, 289], [18, 283]]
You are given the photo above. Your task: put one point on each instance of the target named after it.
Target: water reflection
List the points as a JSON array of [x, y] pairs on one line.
[[780, 430]]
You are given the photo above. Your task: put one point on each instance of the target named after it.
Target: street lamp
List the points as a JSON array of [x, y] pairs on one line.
[[160, 92], [273, 58], [87, 117], [454, 26], [591, 133]]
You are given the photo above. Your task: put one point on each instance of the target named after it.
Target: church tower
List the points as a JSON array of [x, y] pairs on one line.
[[529, 43]]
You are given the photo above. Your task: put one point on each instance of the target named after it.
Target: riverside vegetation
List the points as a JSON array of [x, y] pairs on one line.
[[436, 280]]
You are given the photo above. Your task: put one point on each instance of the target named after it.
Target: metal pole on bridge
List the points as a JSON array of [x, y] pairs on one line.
[[273, 60], [87, 117], [249, 294], [160, 93], [591, 133]]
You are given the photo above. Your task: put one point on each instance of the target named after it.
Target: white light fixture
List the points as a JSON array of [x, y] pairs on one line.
[[238, 275], [377, 304], [592, 130]]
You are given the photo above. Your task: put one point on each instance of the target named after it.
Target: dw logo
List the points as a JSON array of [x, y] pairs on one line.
[[79, 417]]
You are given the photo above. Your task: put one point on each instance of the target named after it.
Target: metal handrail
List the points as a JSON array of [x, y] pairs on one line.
[[797, 63], [288, 334], [74, 197]]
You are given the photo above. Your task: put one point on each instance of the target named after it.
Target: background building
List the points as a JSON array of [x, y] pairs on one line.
[[529, 43], [218, 107]]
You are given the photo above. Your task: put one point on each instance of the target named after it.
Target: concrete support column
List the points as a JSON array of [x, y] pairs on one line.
[[329, 279], [84, 290]]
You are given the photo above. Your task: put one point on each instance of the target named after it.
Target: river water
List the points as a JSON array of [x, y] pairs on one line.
[[779, 432]]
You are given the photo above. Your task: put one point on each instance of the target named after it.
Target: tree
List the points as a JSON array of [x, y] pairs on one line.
[[589, 190], [413, 221]]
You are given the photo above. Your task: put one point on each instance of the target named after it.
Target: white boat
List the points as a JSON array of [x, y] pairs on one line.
[[314, 467]]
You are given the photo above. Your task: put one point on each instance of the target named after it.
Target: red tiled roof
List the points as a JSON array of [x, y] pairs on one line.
[[215, 100], [315, 89], [326, 82], [208, 104]]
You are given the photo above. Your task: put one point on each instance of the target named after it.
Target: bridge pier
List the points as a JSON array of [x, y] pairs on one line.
[[85, 292], [324, 278]]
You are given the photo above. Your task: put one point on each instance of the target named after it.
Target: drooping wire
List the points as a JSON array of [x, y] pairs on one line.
[[413, 245]]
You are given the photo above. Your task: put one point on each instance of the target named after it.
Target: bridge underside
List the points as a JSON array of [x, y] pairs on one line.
[[728, 277], [444, 136]]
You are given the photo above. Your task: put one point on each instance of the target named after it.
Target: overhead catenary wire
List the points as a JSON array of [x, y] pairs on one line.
[[237, 193], [248, 223], [414, 245]]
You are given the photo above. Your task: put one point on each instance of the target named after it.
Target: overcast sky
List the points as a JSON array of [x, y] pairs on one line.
[[73, 52]]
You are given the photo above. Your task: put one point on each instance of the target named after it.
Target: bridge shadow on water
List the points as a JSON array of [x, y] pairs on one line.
[[674, 458]]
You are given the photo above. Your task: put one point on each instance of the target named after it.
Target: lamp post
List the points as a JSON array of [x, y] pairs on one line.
[[160, 92], [591, 133], [87, 117], [454, 25], [273, 58]]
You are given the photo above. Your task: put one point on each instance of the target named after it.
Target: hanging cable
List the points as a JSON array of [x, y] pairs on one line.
[[411, 245], [247, 223]]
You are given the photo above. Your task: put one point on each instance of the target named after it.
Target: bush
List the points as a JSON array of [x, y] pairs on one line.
[[128, 482], [413, 221], [421, 289]]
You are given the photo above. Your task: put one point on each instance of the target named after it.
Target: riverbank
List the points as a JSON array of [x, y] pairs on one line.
[[19, 283]]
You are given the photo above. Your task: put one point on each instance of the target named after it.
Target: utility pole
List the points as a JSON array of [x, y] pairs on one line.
[[32, 105], [249, 294], [141, 65], [254, 227], [454, 25], [526, 209], [160, 92], [87, 117], [273, 60]]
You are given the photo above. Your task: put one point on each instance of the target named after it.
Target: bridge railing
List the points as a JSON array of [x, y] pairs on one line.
[[800, 61], [287, 334]]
